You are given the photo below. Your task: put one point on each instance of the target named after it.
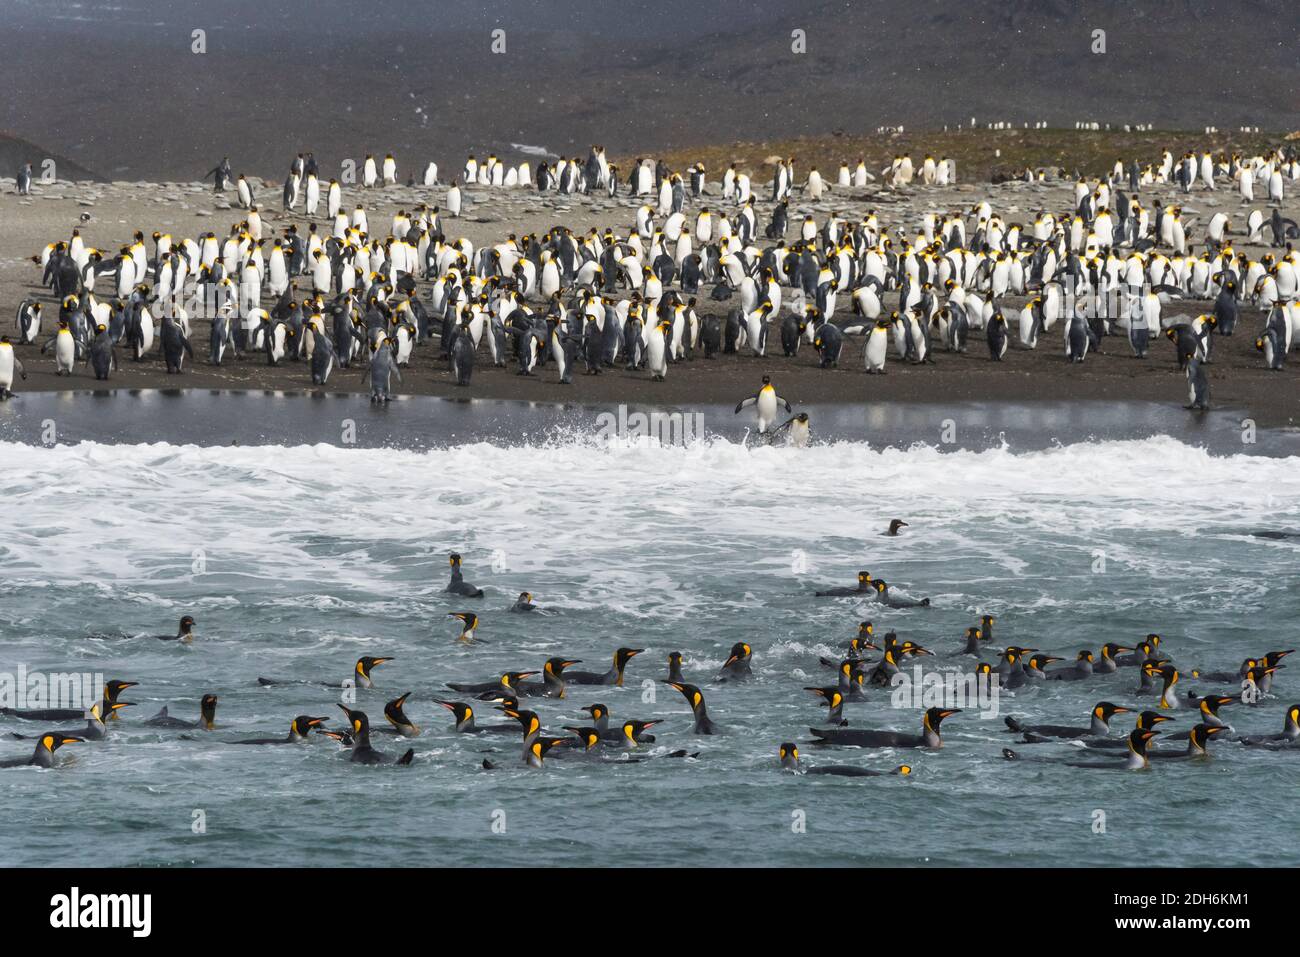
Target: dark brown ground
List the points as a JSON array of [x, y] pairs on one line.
[[1237, 376]]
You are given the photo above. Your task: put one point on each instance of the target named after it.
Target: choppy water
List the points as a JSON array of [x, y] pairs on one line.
[[313, 556]]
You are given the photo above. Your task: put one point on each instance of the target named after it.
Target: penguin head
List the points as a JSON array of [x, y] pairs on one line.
[[1105, 710], [1200, 735], [934, 717], [52, 742], [208, 709], [358, 722], [556, 666], [739, 652], [304, 723], [631, 729], [366, 663], [789, 753], [675, 658], [589, 738], [1149, 719], [624, 655], [394, 713], [1111, 649]]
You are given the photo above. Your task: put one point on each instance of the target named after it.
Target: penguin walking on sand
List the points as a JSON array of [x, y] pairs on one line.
[[765, 402], [1269, 343], [9, 364], [1198, 386], [996, 335], [462, 355], [28, 321], [67, 348], [102, 355], [25, 180], [383, 366], [322, 360], [657, 350], [875, 352]]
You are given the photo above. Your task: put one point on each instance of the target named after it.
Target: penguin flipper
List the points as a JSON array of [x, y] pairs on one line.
[[745, 402], [406, 758]]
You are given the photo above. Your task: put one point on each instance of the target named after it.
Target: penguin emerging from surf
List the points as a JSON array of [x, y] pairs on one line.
[[798, 428], [765, 402], [896, 525]]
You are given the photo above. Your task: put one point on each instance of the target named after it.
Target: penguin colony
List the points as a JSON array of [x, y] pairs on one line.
[[1144, 678], [704, 268]]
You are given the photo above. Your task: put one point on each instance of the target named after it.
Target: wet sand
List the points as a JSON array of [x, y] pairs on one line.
[[1238, 379]]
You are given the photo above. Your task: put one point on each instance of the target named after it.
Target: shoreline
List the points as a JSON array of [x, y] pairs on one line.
[[291, 418]]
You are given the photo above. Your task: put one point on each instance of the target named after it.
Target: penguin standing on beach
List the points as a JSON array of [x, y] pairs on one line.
[[103, 356], [1198, 386], [9, 363], [382, 368]]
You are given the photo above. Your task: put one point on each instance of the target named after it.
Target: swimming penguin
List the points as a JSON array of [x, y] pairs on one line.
[[360, 678], [553, 683], [883, 596], [362, 751], [864, 738], [524, 603], [43, 756], [458, 585], [299, 729], [612, 677], [469, 623], [207, 715], [693, 696], [1138, 740], [94, 730], [1099, 727], [675, 668], [799, 431], [833, 699], [789, 754], [737, 665], [184, 631], [505, 686], [1288, 738], [396, 716], [112, 689], [895, 525], [1080, 670], [464, 715], [600, 719], [765, 403], [864, 587]]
